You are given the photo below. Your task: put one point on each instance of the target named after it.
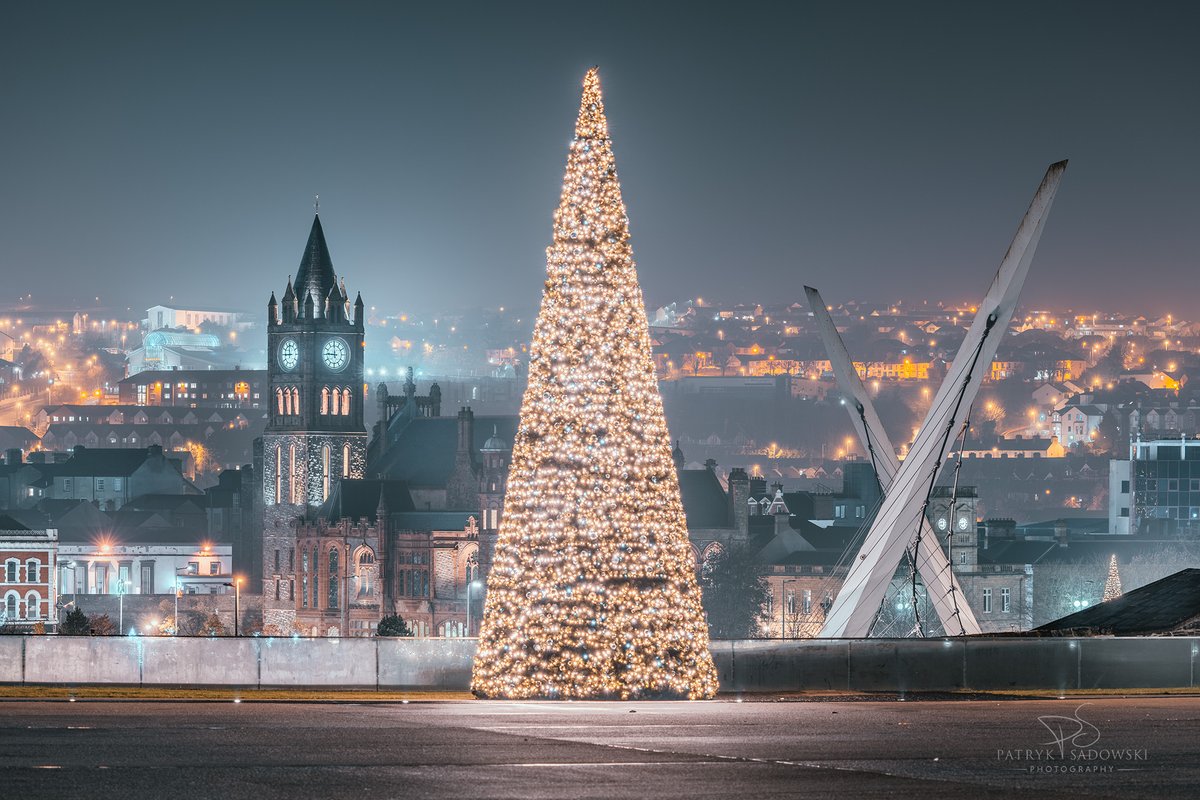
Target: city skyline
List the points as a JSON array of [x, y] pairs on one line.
[[147, 152]]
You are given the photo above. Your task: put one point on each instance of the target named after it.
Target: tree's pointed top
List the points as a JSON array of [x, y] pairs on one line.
[[592, 124], [315, 275]]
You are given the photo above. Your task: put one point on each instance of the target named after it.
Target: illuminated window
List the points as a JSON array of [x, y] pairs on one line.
[[325, 472], [304, 579], [366, 562], [292, 487], [333, 579], [345, 461]]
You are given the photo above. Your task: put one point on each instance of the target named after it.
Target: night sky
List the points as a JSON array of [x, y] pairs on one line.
[[877, 151]]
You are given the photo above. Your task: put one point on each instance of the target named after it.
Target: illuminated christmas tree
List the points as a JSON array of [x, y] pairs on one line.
[[1112, 584], [592, 592]]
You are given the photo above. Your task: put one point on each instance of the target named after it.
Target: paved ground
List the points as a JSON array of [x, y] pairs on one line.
[[1135, 747]]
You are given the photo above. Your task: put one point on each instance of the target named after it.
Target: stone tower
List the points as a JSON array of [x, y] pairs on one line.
[[315, 434], [956, 525]]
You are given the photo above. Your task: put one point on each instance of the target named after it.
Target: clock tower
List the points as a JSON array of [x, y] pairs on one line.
[[952, 513], [315, 434]]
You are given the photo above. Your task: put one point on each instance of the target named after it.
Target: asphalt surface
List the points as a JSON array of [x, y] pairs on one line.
[[1133, 747]]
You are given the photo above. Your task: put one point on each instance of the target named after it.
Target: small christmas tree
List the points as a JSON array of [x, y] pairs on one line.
[[593, 591], [1112, 584]]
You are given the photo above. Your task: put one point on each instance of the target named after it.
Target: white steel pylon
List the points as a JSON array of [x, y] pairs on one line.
[[901, 513], [941, 584]]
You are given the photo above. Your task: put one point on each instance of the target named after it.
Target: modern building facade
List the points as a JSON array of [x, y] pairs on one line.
[[1159, 492]]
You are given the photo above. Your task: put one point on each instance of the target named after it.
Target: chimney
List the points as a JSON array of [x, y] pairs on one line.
[[739, 493], [466, 430]]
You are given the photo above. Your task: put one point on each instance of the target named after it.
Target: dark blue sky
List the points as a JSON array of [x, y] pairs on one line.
[[877, 151]]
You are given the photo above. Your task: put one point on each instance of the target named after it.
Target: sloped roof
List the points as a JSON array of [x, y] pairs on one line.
[[166, 502], [359, 499], [432, 520], [705, 503], [315, 275], [16, 436], [422, 451], [106, 461], [1156, 608]]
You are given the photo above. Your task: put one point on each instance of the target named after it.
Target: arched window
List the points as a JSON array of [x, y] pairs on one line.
[[337, 402], [366, 565], [292, 474], [279, 400], [304, 579], [324, 399], [452, 628], [10, 605], [712, 555], [333, 579], [325, 471], [345, 402], [278, 475], [345, 461], [33, 606], [316, 586], [295, 401]]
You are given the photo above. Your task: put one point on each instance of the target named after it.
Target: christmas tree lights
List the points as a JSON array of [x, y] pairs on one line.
[[1112, 584], [593, 591]]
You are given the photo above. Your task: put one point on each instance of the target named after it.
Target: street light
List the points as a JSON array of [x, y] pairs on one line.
[[237, 603], [71, 565], [783, 607], [470, 585], [175, 626]]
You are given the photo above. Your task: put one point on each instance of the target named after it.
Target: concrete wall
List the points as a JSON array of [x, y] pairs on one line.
[[868, 665]]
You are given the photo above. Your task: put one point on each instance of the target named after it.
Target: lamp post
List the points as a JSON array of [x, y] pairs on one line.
[[470, 585], [237, 603], [175, 626], [121, 606], [783, 607], [71, 565]]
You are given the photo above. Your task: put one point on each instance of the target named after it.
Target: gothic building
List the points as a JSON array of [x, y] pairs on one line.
[[315, 434], [415, 539]]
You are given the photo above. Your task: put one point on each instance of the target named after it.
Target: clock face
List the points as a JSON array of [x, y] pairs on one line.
[[289, 354], [335, 354], [941, 523], [963, 523]]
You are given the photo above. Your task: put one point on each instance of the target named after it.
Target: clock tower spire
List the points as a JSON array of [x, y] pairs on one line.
[[315, 434]]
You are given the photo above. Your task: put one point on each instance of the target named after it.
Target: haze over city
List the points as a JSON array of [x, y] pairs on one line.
[[672, 399], [880, 152]]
